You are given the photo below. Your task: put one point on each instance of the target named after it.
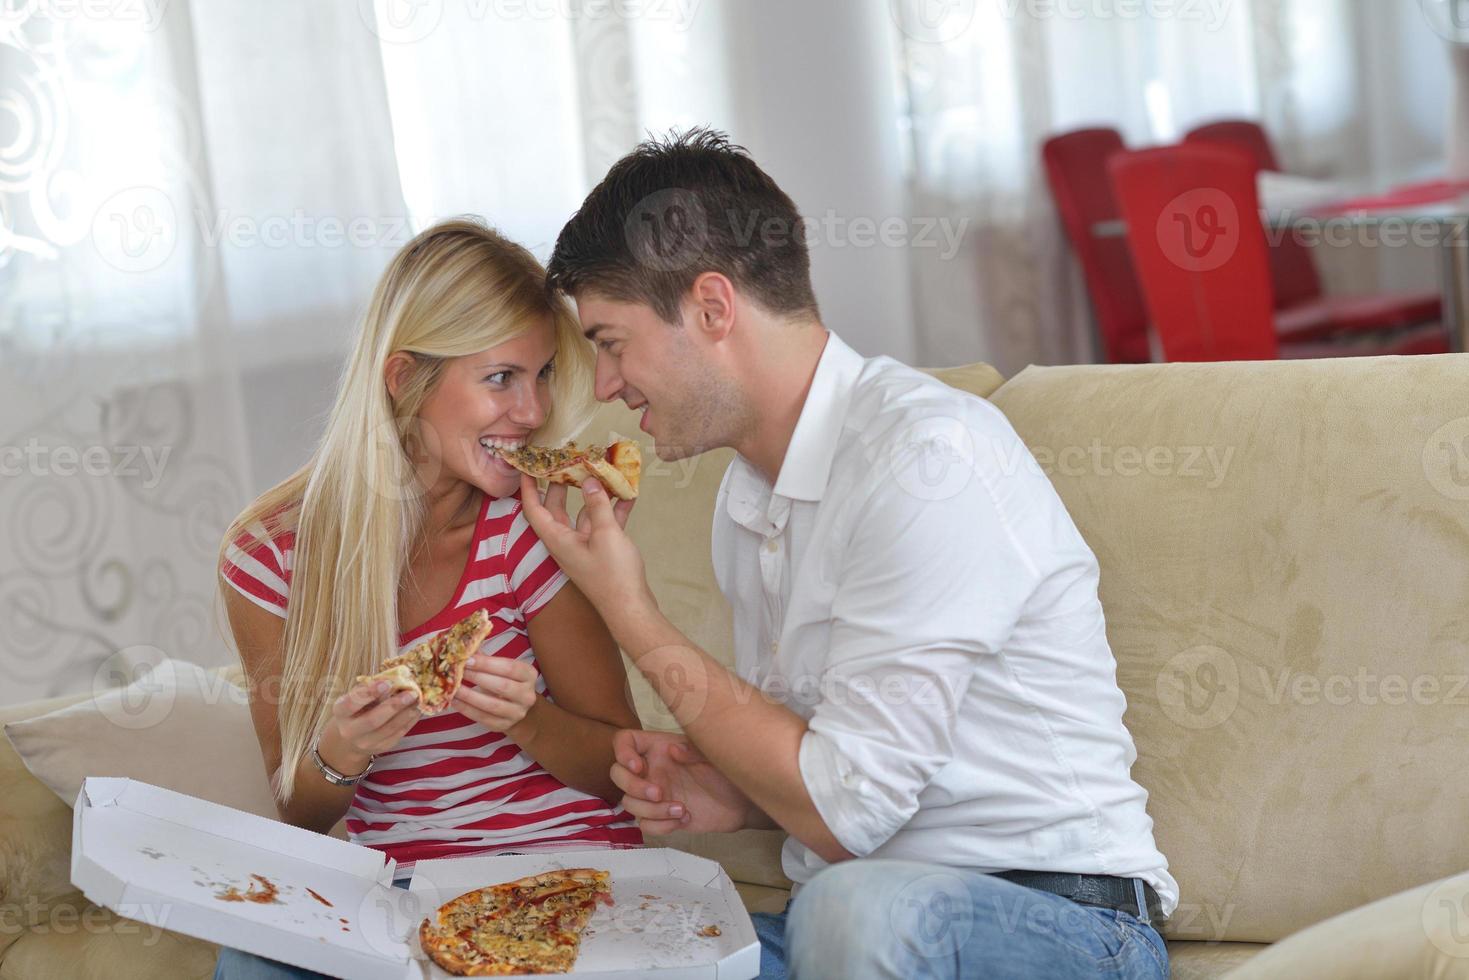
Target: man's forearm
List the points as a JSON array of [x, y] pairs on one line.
[[754, 742]]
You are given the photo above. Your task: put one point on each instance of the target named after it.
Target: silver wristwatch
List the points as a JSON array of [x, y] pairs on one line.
[[334, 777]]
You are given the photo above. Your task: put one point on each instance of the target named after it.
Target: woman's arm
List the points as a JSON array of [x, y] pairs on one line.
[[572, 738], [316, 804]]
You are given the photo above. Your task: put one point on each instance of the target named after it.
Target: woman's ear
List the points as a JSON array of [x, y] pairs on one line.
[[399, 364]]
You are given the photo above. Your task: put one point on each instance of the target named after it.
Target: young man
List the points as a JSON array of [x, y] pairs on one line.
[[925, 700]]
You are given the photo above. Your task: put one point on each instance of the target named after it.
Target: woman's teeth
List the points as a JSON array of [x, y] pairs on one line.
[[493, 443], [495, 449]]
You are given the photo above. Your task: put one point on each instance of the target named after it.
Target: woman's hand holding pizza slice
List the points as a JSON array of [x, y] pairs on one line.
[[368, 720], [504, 692]]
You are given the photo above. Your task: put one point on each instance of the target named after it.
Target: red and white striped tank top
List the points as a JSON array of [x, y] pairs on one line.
[[451, 787]]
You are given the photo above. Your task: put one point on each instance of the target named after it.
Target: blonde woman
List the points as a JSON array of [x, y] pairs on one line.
[[401, 524]]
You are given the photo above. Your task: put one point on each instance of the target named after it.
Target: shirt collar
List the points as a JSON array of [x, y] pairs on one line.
[[751, 502], [807, 464]]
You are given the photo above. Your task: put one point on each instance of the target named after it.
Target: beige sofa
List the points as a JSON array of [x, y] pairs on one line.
[[1285, 569]]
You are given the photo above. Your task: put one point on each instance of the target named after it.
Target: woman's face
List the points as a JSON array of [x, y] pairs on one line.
[[498, 396]]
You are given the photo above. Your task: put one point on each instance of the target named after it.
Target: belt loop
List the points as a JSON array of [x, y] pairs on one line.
[[1142, 902]]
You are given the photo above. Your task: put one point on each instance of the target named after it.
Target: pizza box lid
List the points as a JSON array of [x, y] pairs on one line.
[[663, 902], [166, 858]]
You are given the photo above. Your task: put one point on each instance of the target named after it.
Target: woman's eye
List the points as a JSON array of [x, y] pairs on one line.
[[499, 378], [547, 371]]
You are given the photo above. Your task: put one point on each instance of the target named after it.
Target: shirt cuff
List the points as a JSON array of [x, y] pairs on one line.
[[859, 814]]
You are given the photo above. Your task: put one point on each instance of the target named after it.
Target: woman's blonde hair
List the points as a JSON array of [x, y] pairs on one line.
[[356, 507]]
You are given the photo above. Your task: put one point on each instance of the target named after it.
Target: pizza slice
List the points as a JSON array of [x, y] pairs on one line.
[[434, 669], [532, 925], [619, 466]]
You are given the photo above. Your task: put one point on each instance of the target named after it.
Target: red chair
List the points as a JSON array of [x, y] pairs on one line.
[[1192, 216], [1243, 133], [1076, 167], [1303, 311]]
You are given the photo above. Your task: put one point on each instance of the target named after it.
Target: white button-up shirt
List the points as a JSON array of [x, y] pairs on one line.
[[913, 587]]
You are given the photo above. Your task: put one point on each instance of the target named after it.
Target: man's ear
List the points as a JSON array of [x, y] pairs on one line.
[[713, 301], [400, 362]]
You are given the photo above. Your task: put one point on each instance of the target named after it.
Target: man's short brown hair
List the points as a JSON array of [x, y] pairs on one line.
[[675, 208]]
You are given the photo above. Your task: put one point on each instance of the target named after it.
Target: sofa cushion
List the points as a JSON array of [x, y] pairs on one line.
[[1287, 614], [35, 835], [1423, 932], [1195, 960], [177, 726], [750, 856], [91, 943]]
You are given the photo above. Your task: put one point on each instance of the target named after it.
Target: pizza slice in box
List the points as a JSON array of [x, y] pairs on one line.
[[434, 669], [619, 466]]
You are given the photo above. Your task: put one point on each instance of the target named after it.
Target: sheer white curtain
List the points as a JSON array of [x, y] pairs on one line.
[[513, 110], [988, 80], [189, 193], [196, 201]]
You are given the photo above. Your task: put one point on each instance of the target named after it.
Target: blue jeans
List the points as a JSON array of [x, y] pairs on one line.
[[900, 919], [236, 964]]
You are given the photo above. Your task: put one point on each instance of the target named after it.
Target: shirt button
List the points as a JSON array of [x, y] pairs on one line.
[[775, 647], [771, 545]]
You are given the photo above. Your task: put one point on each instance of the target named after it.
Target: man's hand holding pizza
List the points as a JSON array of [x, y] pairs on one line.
[[594, 550]]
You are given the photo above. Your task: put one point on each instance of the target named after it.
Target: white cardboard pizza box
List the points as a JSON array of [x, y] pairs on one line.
[[675, 916], [166, 859]]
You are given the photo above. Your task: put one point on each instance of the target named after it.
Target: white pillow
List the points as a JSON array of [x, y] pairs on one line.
[[176, 726], [1422, 932]]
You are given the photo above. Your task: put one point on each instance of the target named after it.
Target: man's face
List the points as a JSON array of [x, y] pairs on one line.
[[669, 372]]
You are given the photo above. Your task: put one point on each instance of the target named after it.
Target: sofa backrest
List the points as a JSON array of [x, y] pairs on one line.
[[1285, 572]]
